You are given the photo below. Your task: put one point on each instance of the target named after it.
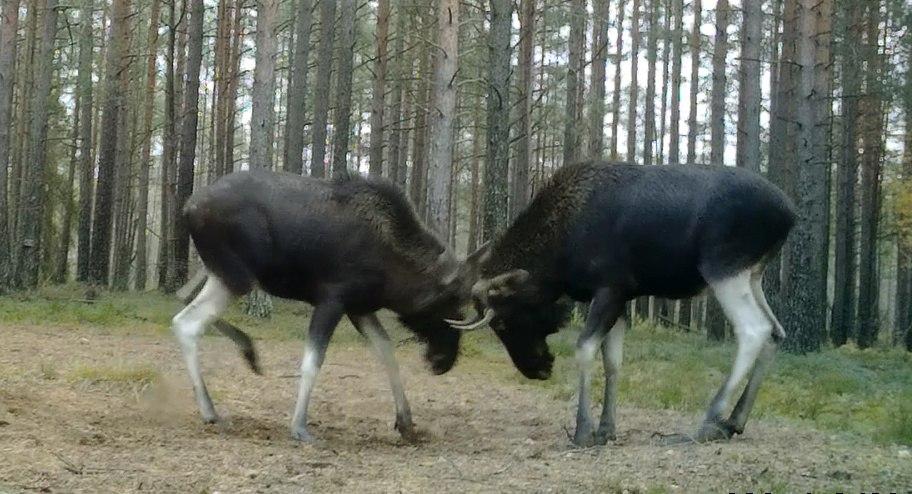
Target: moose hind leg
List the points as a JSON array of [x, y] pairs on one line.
[[323, 323], [188, 326], [373, 330], [743, 408], [752, 330]]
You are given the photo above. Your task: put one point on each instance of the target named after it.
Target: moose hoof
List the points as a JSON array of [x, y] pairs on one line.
[[210, 418], [410, 434], [716, 430], [602, 437], [303, 436], [584, 438]]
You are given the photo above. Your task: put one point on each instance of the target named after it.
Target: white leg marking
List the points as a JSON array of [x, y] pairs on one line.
[[188, 326], [310, 366], [752, 330], [612, 356]]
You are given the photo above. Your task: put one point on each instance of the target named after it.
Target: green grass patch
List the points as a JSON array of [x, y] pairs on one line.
[[119, 374]]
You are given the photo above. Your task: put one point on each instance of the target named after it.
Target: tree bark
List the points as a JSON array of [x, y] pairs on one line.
[[575, 76], [378, 96], [498, 128], [145, 164], [649, 118], [519, 186], [35, 176], [297, 93], [321, 88], [116, 63], [616, 96], [401, 66], [808, 244], [872, 142], [418, 173], [9, 25], [843, 315], [442, 117], [695, 40], [342, 120], [599, 62], [749, 93], [717, 104], [674, 128], [262, 94], [634, 85], [189, 127], [86, 161]]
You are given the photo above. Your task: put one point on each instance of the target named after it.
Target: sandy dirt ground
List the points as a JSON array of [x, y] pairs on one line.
[[91, 411]]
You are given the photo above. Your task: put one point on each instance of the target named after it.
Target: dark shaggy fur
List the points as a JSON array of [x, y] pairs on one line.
[[354, 241], [656, 230]]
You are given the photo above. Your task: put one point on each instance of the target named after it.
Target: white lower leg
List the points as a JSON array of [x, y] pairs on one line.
[[188, 326], [585, 354], [612, 356], [310, 366], [381, 342], [752, 330]]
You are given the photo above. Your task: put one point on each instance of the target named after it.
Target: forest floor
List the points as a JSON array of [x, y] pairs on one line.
[[89, 407]]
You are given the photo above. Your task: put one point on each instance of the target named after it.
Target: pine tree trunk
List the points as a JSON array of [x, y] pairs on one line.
[[498, 128], [599, 61], [634, 84], [401, 64], [843, 316], [262, 113], [806, 280], [575, 76], [418, 174], [477, 143], [695, 39], [674, 128], [169, 147], [35, 176], [342, 119], [442, 117], [661, 153], [116, 61], [189, 127], [782, 127], [145, 164], [378, 96], [86, 161], [616, 95], [748, 147], [649, 118], [903, 328], [63, 253], [872, 142], [9, 25], [717, 105], [321, 87], [519, 186]]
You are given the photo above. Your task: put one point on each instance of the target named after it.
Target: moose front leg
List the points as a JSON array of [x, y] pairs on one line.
[[370, 327], [612, 354], [604, 310], [322, 324]]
